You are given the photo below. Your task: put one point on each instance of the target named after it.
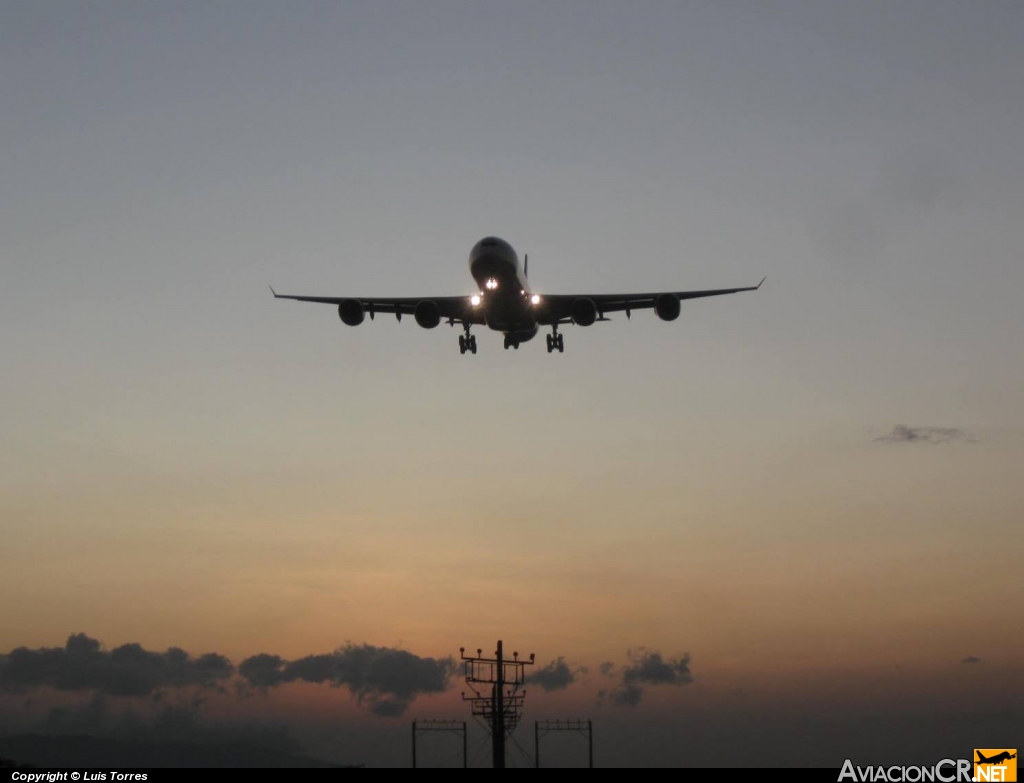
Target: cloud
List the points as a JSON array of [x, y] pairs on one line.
[[650, 668], [647, 667], [971, 659], [384, 680], [904, 434], [607, 669], [263, 670], [556, 676], [128, 670]]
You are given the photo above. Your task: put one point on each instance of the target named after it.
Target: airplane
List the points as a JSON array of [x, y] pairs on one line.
[[996, 759], [506, 303]]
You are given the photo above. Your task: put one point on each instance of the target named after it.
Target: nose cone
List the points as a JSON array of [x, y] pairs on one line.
[[493, 264], [493, 246]]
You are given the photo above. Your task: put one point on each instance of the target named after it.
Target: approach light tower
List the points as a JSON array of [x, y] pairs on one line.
[[501, 704]]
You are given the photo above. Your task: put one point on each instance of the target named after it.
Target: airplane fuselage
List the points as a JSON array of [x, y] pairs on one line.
[[506, 301]]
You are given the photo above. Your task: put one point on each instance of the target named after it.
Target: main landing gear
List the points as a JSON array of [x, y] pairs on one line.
[[555, 340], [467, 342]]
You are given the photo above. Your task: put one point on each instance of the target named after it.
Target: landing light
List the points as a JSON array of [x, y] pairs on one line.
[[535, 299], [491, 284], [474, 300]]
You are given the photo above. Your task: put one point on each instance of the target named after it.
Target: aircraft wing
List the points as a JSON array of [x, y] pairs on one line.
[[555, 308], [456, 309]]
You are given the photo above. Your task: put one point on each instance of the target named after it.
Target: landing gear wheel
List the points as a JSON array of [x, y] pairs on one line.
[[462, 344], [508, 343], [560, 343], [472, 343], [549, 339]]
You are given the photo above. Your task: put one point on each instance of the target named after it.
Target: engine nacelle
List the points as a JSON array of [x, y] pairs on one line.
[[667, 307], [351, 312], [428, 314], [583, 311]]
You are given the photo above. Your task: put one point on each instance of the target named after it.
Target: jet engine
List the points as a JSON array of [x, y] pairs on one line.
[[428, 314], [667, 307], [583, 311], [351, 312]]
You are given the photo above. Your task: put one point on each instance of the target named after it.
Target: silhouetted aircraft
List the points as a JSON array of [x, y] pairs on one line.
[[996, 759], [506, 303]]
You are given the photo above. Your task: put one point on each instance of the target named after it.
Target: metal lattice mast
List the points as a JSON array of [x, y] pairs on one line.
[[500, 706]]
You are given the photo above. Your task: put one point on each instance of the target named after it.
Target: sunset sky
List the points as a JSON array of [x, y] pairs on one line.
[[813, 491]]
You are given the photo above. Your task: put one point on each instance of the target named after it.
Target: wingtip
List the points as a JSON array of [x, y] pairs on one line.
[[272, 291], [762, 281]]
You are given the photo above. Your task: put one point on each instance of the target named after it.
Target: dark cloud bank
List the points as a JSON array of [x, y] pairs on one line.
[[128, 670], [384, 680]]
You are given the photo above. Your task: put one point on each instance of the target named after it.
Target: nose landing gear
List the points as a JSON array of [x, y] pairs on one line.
[[511, 342]]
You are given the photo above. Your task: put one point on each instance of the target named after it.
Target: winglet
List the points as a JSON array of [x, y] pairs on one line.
[[273, 292], [762, 281]]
